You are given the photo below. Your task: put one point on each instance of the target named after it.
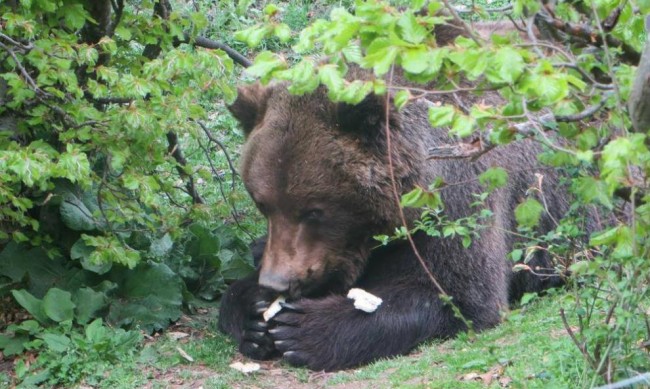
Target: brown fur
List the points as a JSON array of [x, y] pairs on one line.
[[319, 172]]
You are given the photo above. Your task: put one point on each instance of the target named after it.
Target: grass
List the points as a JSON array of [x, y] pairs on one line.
[[530, 349]]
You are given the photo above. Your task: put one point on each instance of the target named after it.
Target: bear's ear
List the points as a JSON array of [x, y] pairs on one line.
[[366, 119], [250, 106]]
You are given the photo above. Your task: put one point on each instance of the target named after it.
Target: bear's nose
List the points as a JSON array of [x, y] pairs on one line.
[[274, 281]]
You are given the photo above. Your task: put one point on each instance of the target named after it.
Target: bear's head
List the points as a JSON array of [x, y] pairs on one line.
[[318, 172]]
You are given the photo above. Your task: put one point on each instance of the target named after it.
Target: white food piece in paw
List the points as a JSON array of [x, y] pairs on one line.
[[245, 368], [364, 301], [274, 308]]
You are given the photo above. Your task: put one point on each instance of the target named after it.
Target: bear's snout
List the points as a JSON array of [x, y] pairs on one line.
[[275, 281]]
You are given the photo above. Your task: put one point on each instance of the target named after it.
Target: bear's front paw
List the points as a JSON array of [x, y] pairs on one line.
[[256, 342], [304, 332], [288, 329]]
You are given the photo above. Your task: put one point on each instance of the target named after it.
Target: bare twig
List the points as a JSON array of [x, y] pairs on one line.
[[175, 150], [587, 113], [216, 141], [585, 75], [233, 210], [530, 24], [396, 193], [16, 43], [464, 10], [581, 346], [461, 23], [22, 70], [112, 100]]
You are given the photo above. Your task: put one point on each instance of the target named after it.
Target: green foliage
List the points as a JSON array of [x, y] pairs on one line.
[[528, 213], [112, 194], [67, 354]]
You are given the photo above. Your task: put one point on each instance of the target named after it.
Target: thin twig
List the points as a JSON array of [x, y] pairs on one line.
[[176, 152], [585, 75], [460, 22], [23, 71], [233, 209], [211, 137], [212, 44], [396, 194], [586, 113], [530, 23], [507, 7], [16, 43], [573, 337]]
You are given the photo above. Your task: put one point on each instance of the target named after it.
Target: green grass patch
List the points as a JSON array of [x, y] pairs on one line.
[[530, 349]]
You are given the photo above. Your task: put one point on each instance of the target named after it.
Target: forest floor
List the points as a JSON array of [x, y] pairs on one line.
[[530, 349]]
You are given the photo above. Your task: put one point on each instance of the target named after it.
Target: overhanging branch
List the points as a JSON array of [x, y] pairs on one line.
[[588, 34], [529, 128]]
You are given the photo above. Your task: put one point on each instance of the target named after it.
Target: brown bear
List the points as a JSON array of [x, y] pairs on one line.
[[319, 172]]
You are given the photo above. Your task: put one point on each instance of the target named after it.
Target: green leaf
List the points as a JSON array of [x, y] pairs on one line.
[[76, 215], [283, 32], [473, 62], [505, 66], [401, 98], [150, 297], [356, 91], [58, 305], [516, 255], [13, 345], [265, 63], [410, 30], [606, 237], [233, 267], [494, 178], [331, 77], [88, 303], [270, 9], [161, 247], [463, 126], [380, 56], [415, 60], [41, 271], [441, 116], [528, 213], [31, 304], [528, 297], [253, 36], [84, 254], [418, 197], [56, 342]]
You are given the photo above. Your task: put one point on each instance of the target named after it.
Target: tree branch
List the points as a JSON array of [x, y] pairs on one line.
[[588, 34], [211, 44], [483, 144], [639, 103]]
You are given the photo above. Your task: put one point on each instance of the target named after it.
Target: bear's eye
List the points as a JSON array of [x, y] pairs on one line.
[[312, 215]]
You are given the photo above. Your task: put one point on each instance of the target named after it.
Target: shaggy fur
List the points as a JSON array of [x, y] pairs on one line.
[[319, 173]]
